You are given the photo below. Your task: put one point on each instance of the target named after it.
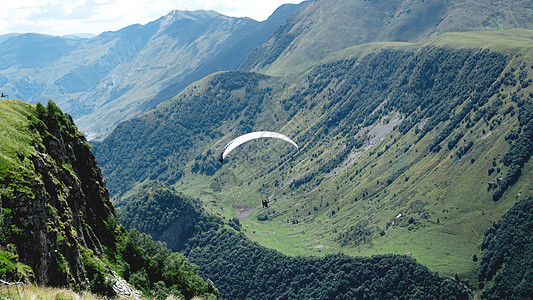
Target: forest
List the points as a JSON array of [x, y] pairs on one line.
[[506, 270]]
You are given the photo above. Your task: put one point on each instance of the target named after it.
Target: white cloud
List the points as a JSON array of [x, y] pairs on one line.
[[60, 17]]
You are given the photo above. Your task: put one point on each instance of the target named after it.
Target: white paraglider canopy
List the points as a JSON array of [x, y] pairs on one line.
[[252, 136]]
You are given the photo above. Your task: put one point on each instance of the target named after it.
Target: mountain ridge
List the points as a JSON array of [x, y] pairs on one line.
[[317, 30], [119, 74]]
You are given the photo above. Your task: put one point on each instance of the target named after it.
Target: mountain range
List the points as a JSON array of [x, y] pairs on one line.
[[402, 142], [413, 174], [114, 76], [111, 77]]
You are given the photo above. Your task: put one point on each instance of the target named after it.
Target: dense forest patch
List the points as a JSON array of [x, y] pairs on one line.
[[507, 263]]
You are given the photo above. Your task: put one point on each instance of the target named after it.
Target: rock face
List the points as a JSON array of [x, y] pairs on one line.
[[61, 205]]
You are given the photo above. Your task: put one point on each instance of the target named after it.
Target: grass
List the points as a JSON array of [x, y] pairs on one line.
[[16, 147], [15, 135], [505, 41], [30, 292], [500, 40], [33, 292]]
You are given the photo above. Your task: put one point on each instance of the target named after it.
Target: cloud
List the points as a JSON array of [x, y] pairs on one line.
[[60, 17]]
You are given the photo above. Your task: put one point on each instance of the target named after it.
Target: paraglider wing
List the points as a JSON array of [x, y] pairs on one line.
[[252, 136]]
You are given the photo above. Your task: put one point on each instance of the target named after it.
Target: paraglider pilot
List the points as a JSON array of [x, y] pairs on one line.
[[265, 202]]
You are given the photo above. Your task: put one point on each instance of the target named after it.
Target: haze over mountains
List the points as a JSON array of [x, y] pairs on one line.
[[117, 75]]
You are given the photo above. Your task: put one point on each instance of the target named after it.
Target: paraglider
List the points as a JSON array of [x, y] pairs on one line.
[[252, 136]]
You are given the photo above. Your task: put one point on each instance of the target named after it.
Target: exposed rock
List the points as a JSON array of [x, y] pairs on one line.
[[60, 206]]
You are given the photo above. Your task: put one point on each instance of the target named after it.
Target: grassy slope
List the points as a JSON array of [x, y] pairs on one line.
[[452, 192], [12, 142], [14, 114], [28, 291]]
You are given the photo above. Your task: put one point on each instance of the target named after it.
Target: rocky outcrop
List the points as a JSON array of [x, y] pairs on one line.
[[60, 206]]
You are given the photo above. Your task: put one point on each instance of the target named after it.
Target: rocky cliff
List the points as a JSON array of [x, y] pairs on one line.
[[56, 213]]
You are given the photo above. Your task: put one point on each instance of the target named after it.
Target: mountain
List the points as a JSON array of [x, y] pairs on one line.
[[103, 80], [79, 36], [323, 27], [406, 148], [58, 226]]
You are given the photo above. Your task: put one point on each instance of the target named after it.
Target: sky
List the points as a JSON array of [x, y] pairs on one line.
[[62, 17]]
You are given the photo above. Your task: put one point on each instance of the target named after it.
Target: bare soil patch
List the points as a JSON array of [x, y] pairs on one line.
[[242, 211]]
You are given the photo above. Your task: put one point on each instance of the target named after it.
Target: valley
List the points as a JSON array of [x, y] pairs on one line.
[[347, 188], [411, 178]]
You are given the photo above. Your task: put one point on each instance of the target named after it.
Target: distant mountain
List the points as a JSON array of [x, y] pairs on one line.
[[79, 36], [324, 27], [117, 75]]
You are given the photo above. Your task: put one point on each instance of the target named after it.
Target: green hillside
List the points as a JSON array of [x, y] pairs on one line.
[[406, 149], [57, 225], [324, 27]]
